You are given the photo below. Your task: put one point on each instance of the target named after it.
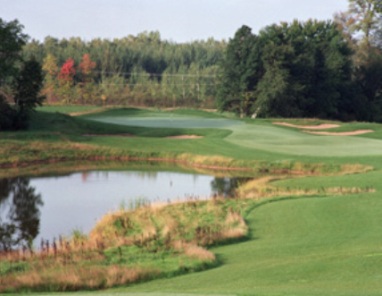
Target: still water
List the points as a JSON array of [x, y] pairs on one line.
[[32, 209]]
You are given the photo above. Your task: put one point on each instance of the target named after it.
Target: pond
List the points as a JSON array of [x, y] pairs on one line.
[[32, 209]]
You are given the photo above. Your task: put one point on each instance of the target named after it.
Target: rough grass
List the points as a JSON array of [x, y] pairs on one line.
[[319, 246], [265, 187], [127, 247], [67, 109]]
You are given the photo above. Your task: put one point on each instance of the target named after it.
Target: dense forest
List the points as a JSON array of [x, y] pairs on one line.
[[330, 69], [326, 69], [136, 70]]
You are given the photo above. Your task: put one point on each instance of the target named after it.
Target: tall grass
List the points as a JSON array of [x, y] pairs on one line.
[[126, 246]]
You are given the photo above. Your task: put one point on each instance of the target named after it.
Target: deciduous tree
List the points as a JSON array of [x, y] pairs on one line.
[[86, 68], [66, 80], [289, 70], [11, 42], [50, 81], [28, 85], [18, 79], [363, 23]]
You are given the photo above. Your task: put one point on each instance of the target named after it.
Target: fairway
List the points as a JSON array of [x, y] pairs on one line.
[[309, 246], [296, 142], [297, 246], [320, 246], [260, 136], [174, 121]]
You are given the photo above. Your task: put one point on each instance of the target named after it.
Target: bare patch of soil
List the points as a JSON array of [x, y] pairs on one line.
[[310, 127], [352, 133]]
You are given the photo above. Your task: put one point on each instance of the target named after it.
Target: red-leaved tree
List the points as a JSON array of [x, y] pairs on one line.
[[66, 80], [87, 66], [87, 89], [67, 71]]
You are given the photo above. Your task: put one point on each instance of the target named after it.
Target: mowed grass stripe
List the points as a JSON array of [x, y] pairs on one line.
[[315, 246], [295, 142], [312, 246], [176, 121], [261, 136]]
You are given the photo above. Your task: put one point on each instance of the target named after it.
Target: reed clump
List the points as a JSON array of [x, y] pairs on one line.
[[126, 246], [263, 188], [201, 223]]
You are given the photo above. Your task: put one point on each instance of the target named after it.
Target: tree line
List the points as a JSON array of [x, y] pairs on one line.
[[135, 70], [325, 69]]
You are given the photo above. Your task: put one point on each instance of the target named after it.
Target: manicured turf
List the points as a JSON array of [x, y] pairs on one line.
[[258, 135], [316, 246], [172, 121], [295, 142], [311, 246], [297, 246]]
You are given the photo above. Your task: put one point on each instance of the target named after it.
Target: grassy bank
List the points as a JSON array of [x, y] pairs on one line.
[[145, 242], [315, 246], [314, 229], [56, 137]]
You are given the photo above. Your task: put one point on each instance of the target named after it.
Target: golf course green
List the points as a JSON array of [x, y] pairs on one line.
[[308, 245], [258, 135], [313, 246]]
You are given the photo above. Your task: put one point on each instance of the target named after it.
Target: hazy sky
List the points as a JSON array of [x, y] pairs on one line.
[[176, 20]]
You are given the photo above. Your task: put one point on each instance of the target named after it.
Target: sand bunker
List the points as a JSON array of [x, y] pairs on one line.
[[352, 133], [324, 126], [311, 127], [185, 137]]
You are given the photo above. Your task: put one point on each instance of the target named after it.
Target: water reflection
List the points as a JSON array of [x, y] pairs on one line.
[[226, 187], [76, 201], [19, 213]]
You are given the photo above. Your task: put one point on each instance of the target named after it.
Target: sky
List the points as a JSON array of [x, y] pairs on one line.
[[176, 20]]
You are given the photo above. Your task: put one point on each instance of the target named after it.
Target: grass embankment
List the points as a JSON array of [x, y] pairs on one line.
[[128, 246], [327, 244], [55, 137], [315, 246]]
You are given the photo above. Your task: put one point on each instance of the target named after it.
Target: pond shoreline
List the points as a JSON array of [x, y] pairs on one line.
[[255, 169]]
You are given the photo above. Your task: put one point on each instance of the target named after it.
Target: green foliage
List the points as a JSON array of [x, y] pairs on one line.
[[361, 25], [19, 80], [288, 70], [135, 70], [365, 20], [11, 42], [241, 70], [7, 115], [367, 104], [28, 85]]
